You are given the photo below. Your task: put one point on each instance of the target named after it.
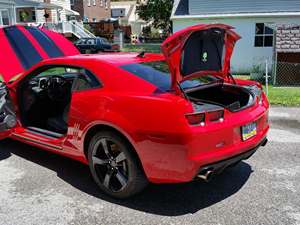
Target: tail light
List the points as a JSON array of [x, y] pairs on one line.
[[196, 118], [215, 116], [201, 117]]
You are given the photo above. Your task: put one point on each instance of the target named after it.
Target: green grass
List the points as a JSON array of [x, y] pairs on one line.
[[142, 47], [285, 96], [242, 77]]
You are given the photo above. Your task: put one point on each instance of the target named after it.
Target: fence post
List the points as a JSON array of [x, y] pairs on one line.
[[121, 38], [267, 79]]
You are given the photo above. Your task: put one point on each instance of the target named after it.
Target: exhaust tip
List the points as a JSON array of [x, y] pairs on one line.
[[206, 175], [264, 142]]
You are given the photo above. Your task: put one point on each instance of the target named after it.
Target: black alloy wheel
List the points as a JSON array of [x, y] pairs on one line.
[[113, 166]]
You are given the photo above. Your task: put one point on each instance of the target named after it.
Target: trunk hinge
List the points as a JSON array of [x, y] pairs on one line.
[[231, 77], [181, 91]]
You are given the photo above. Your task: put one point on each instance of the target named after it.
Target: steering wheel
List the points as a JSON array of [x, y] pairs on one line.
[[58, 88]]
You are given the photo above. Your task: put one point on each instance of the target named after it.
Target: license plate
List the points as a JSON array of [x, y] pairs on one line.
[[248, 131]]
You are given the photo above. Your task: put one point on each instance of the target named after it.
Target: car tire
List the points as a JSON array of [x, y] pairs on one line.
[[114, 166]]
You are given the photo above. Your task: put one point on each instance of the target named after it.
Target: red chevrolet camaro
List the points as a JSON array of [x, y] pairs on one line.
[[133, 118]]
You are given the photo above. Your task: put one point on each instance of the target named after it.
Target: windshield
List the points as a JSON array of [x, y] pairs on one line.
[[157, 73]]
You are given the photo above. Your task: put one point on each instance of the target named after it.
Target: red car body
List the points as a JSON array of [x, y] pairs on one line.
[[170, 149]]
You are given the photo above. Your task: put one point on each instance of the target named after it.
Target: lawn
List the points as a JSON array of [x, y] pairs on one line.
[[141, 47], [285, 96]]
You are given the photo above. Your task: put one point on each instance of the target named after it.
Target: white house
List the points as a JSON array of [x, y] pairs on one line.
[[33, 11], [252, 20], [125, 11]]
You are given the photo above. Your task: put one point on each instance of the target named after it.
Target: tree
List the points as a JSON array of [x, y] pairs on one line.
[[158, 12]]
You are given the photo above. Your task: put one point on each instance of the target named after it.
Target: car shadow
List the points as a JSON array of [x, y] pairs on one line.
[[165, 199]]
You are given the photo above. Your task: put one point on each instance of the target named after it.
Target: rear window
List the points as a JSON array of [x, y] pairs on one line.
[[158, 74]]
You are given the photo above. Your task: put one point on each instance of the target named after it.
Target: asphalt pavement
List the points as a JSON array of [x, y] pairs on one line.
[[39, 188]]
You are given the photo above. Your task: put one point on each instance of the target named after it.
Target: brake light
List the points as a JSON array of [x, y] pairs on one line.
[[196, 118], [215, 116]]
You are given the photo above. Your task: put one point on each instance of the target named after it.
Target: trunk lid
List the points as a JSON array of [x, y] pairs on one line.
[[22, 47], [199, 50]]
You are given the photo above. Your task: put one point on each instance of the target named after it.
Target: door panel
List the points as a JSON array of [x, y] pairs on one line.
[[8, 118]]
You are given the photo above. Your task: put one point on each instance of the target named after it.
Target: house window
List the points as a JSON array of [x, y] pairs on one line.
[[101, 3], [33, 16], [263, 35], [117, 12], [94, 2], [106, 4], [71, 2], [89, 2]]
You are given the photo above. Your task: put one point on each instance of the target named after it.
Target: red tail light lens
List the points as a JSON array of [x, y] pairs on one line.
[[215, 116], [195, 118]]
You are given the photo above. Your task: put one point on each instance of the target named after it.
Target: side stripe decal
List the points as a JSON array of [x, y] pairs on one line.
[[10, 64], [23, 48], [45, 42]]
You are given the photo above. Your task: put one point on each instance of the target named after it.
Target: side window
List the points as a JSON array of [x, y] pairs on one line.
[[85, 80], [78, 78]]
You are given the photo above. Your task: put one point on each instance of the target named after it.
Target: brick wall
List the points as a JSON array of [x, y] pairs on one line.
[[97, 9], [78, 7], [288, 38]]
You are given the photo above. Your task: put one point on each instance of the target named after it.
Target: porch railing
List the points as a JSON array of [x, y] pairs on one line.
[[73, 27]]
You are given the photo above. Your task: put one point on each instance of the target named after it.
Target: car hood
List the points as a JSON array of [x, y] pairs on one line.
[[199, 50], [22, 47]]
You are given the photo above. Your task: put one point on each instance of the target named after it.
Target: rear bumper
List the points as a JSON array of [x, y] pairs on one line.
[[220, 166], [181, 156]]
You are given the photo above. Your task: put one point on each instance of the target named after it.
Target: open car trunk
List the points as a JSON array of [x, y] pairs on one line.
[[231, 97], [205, 50]]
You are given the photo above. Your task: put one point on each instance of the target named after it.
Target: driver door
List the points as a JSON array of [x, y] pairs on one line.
[[8, 118]]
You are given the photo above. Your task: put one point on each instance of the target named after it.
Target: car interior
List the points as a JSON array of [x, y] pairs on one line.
[[45, 97]]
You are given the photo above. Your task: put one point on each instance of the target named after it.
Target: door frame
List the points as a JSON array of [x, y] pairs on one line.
[[1, 17]]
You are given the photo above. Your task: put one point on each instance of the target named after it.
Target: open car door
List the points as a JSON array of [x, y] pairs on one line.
[[204, 49], [8, 118], [22, 47]]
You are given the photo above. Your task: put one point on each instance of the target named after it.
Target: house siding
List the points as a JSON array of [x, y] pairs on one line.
[[204, 7], [63, 3], [245, 55]]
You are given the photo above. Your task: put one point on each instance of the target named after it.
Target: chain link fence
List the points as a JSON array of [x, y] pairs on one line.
[[281, 82], [279, 74], [287, 74]]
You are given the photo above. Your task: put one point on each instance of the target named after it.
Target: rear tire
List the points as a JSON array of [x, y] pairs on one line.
[[114, 167]]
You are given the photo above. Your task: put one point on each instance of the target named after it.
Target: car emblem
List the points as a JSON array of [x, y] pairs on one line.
[[204, 57]]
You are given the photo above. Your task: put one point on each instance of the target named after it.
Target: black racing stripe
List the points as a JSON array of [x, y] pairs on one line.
[[47, 44], [23, 48]]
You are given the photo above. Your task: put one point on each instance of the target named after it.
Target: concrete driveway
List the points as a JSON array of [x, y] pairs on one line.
[[41, 188]]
